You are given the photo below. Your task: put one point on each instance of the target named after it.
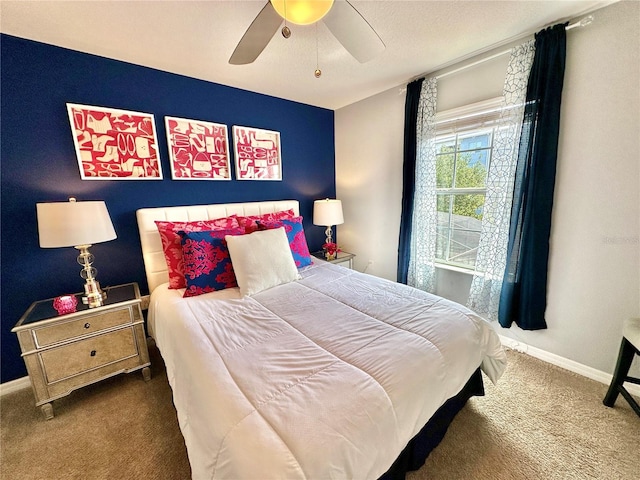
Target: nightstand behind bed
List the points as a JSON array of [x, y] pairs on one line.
[[63, 353], [341, 257]]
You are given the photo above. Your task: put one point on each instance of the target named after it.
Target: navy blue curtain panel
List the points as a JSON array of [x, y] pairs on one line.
[[408, 176], [523, 299]]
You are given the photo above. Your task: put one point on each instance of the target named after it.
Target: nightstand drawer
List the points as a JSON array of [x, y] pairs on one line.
[[75, 328], [73, 359]]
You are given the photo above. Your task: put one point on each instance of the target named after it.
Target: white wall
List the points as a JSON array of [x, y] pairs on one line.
[[369, 138], [594, 270]]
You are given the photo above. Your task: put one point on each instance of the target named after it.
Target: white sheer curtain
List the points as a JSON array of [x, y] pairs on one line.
[[484, 296], [421, 272]]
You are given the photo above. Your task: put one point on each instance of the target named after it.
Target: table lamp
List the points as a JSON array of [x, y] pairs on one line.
[[327, 213], [79, 225]]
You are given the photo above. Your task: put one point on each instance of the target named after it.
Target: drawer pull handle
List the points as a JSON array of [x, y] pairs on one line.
[[87, 325], [93, 353]]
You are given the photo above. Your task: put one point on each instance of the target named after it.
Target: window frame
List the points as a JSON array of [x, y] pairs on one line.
[[475, 117]]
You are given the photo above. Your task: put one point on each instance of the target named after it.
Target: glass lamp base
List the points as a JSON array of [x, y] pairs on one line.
[[94, 296]]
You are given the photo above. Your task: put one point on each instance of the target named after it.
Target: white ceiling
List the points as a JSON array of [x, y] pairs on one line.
[[196, 38]]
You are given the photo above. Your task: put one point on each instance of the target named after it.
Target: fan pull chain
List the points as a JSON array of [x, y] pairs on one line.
[[286, 31], [318, 72]]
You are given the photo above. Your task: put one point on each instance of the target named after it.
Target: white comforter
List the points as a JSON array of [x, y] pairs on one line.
[[326, 377]]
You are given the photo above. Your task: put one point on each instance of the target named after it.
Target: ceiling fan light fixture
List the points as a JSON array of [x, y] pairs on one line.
[[302, 12]]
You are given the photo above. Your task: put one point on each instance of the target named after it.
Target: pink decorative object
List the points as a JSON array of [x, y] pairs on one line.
[[114, 144], [198, 150], [330, 250], [65, 304], [257, 154]]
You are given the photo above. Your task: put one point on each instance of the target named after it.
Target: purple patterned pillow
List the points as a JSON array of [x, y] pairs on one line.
[[206, 261], [297, 240]]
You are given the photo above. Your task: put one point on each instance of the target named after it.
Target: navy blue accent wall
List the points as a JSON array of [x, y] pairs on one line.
[[38, 164]]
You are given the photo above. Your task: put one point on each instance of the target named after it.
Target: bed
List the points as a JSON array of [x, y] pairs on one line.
[[336, 374]]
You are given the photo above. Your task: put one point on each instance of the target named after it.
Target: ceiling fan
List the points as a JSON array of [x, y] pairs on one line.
[[343, 20]]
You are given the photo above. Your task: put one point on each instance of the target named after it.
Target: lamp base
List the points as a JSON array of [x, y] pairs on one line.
[[328, 234], [94, 296]]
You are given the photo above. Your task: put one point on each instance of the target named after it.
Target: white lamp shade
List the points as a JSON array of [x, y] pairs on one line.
[[327, 212], [70, 224]]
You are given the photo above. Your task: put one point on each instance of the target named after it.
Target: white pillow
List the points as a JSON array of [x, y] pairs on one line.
[[261, 260]]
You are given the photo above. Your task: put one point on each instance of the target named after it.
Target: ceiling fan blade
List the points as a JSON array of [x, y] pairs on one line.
[[353, 31], [257, 36]]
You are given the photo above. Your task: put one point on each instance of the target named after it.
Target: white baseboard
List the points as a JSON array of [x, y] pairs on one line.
[[557, 360], [14, 385]]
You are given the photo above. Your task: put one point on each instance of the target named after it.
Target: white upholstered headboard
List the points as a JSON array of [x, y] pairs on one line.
[[154, 261]]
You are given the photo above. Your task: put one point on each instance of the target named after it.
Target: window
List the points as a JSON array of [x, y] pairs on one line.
[[464, 145]]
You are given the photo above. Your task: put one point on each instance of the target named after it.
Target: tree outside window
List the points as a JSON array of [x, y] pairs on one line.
[[462, 164]]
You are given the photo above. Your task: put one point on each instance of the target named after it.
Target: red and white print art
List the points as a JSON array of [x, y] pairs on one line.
[[257, 154], [198, 150], [114, 144]]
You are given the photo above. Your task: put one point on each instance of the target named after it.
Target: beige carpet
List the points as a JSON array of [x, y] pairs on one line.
[[540, 422]]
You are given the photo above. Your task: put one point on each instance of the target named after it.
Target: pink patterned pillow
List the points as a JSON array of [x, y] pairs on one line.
[[173, 249], [296, 237], [207, 263], [250, 223]]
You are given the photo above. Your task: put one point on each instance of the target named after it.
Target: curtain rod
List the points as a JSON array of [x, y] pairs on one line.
[[583, 22]]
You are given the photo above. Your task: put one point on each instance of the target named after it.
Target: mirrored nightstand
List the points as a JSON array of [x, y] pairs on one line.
[[66, 352], [341, 257]]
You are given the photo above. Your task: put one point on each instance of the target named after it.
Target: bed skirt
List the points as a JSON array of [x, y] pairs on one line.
[[419, 447]]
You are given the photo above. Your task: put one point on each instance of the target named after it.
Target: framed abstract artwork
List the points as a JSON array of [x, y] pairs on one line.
[[113, 144], [198, 150], [257, 154]]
